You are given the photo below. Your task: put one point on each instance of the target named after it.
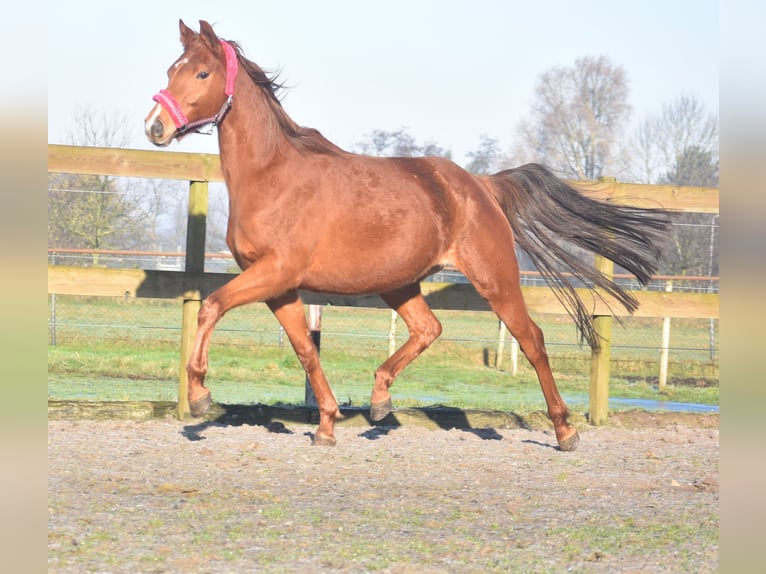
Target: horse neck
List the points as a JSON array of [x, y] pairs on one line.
[[250, 129]]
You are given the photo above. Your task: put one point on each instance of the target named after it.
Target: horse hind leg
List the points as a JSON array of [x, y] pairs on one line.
[[530, 337], [493, 270], [424, 328]]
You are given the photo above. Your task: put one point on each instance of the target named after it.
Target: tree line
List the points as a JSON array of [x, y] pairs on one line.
[[578, 125]]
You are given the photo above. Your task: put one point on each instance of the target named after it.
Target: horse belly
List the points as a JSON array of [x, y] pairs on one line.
[[375, 261]]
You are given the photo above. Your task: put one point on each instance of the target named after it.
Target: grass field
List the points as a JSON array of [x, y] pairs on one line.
[[113, 349]]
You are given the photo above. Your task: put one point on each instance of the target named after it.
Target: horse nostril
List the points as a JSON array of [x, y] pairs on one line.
[[158, 129]]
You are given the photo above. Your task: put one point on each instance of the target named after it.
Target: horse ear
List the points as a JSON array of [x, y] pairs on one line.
[[208, 35], [187, 34]]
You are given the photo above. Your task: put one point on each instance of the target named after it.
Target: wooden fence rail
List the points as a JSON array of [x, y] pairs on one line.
[[193, 285]]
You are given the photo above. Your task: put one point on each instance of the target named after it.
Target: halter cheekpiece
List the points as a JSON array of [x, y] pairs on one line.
[[183, 126]]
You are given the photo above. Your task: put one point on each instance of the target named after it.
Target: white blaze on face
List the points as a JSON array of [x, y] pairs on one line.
[[152, 117], [157, 109]]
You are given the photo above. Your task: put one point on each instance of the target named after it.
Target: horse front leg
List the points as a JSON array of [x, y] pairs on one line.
[[196, 369], [288, 309], [253, 284]]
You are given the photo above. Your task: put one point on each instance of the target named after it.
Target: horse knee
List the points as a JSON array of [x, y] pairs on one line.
[[209, 312]]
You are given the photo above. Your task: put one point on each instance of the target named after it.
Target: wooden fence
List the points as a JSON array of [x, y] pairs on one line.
[[193, 285]]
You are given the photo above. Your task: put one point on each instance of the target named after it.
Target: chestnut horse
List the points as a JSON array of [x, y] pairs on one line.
[[305, 214]]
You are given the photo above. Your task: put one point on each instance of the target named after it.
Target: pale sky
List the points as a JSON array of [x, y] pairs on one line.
[[447, 70]]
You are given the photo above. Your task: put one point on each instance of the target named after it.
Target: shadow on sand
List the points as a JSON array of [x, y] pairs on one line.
[[276, 418]]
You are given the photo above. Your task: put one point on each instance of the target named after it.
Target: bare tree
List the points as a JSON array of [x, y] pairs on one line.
[[575, 124], [161, 207], [91, 211], [679, 145], [486, 159], [661, 139], [90, 128], [87, 211], [399, 143], [577, 119], [694, 246], [217, 218]]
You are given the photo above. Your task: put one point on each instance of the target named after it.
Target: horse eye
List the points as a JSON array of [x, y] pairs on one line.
[[202, 75]]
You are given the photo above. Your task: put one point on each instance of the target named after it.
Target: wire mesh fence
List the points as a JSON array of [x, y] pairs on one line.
[[82, 322]]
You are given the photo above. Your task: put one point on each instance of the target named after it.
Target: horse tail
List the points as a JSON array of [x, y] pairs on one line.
[[542, 209]]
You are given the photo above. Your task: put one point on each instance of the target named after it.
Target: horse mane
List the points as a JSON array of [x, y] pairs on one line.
[[305, 140]]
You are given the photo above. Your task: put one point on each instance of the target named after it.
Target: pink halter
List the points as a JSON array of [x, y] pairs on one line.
[[167, 101]]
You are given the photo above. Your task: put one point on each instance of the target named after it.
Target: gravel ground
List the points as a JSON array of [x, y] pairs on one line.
[[640, 495]]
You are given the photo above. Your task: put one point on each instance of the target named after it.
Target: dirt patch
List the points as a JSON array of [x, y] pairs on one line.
[[160, 495]]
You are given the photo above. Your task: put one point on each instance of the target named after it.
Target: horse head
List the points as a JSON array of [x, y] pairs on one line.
[[200, 87]]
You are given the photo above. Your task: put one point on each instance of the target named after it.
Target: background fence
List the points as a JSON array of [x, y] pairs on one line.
[[692, 344], [96, 298]]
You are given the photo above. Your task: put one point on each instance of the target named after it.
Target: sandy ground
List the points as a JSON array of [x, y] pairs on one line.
[[640, 495]]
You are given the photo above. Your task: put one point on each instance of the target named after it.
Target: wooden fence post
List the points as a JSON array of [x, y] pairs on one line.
[[189, 314], [599, 362], [315, 330], [195, 263]]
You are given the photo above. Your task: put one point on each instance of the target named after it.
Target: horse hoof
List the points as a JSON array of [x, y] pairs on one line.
[[570, 444], [199, 407], [379, 411], [323, 441]]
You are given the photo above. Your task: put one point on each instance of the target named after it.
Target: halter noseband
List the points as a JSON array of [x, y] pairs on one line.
[[183, 126]]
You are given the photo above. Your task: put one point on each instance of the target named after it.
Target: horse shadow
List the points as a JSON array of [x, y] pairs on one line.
[[445, 418], [226, 415], [275, 419]]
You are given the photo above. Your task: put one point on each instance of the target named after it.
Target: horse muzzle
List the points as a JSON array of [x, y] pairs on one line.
[[157, 132]]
